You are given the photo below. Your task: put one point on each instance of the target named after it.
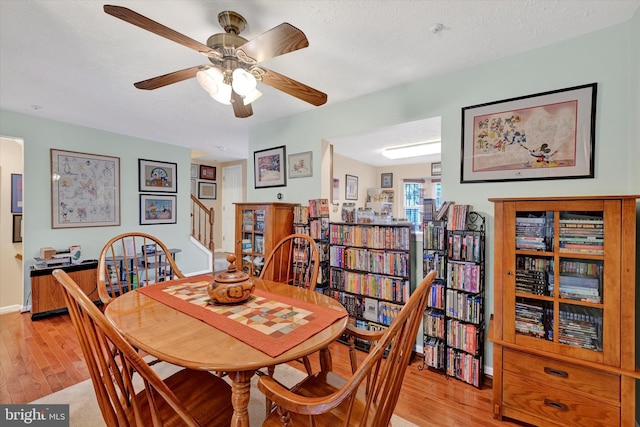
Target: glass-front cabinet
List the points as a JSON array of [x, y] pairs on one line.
[[555, 275], [565, 288], [259, 226]]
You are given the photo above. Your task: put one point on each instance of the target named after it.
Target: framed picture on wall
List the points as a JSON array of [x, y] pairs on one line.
[[270, 167], [300, 165], [17, 229], [208, 172], [157, 209], [207, 190], [386, 180], [549, 135], [85, 190], [157, 176], [351, 187], [16, 193]]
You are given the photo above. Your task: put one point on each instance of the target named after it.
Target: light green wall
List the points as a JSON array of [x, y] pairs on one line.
[[41, 135], [608, 57]]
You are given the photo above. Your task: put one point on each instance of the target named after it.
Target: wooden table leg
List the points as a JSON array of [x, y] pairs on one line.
[[240, 394]]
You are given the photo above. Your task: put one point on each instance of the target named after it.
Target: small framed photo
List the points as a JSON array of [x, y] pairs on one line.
[[194, 171], [549, 135], [16, 193], [300, 165], [270, 167], [157, 209], [157, 176], [207, 190], [436, 169], [351, 187], [17, 229], [386, 180], [208, 172], [194, 187]]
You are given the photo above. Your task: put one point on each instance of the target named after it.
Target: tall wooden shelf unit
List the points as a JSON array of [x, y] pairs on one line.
[[370, 272], [564, 324], [259, 226]]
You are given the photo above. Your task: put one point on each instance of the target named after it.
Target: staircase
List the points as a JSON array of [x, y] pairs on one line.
[[202, 223]]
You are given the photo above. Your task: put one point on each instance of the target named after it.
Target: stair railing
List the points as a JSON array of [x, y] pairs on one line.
[[202, 219]]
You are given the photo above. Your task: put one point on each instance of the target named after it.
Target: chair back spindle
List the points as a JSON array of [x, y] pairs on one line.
[[295, 261], [132, 260]]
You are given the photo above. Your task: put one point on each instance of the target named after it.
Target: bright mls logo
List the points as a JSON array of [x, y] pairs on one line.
[[34, 415]]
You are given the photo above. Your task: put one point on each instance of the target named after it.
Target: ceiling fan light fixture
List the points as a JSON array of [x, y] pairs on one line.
[[243, 82], [210, 80], [223, 95], [252, 96], [404, 151]]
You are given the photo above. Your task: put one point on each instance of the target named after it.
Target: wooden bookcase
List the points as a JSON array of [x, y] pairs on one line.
[[370, 272], [563, 330], [259, 226], [46, 292]]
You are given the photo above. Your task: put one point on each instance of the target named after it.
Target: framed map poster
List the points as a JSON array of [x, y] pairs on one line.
[[85, 190]]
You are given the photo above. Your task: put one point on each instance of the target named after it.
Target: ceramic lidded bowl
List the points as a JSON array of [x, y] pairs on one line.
[[232, 286]]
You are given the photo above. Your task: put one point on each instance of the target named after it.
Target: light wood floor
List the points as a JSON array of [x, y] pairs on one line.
[[42, 357]]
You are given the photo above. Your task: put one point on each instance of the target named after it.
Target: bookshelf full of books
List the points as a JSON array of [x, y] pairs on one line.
[[454, 319], [370, 271], [564, 287], [313, 220], [259, 226]]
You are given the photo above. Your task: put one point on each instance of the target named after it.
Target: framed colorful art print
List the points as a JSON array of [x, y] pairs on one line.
[[549, 135]]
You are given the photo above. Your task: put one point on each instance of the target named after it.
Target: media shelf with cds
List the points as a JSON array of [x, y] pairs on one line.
[[313, 220], [564, 319], [454, 319], [370, 272]]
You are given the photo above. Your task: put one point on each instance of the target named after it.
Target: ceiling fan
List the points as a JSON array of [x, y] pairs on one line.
[[234, 73]]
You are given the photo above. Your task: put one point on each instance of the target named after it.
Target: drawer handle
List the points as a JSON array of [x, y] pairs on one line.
[[556, 372], [557, 405]]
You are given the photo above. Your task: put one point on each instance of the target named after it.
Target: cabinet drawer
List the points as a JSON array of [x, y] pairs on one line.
[[560, 374], [556, 405]]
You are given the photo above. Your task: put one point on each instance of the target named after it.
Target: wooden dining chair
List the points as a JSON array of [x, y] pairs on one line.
[[132, 260], [294, 260], [367, 398], [129, 392]]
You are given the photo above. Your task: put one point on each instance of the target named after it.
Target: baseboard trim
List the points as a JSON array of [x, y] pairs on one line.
[[10, 308]]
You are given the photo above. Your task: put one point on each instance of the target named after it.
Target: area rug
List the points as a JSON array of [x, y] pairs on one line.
[[84, 410]]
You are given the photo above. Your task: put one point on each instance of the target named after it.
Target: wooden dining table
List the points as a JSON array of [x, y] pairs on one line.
[[178, 338]]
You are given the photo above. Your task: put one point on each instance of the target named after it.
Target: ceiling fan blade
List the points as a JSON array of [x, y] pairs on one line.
[[279, 40], [143, 22], [167, 79], [293, 88], [239, 109]]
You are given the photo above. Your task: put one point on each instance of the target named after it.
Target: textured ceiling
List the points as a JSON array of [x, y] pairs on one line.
[[69, 61]]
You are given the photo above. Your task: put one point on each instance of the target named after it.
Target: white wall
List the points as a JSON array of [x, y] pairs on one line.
[[11, 278]]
